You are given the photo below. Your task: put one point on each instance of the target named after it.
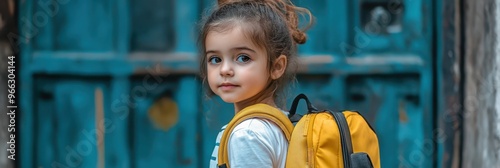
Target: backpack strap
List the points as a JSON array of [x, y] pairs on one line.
[[261, 110], [295, 103], [345, 136], [295, 117]]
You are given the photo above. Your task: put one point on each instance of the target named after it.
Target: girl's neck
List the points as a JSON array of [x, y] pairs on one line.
[[245, 103]]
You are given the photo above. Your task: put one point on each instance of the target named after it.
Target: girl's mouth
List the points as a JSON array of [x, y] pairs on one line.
[[227, 86]]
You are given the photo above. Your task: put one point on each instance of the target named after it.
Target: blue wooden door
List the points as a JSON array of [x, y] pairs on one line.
[[114, 83], [109, 83]]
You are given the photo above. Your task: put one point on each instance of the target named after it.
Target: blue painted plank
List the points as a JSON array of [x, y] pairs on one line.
[[45, 121], [187, 97], [150, 146], [43, 22], [337, 88], [66, 133], [75, 116], [316, 87], [330, 27], [85, 26], [439, 13], [26, 87], [123, 28], [186, 19], [152, 26], [117, 115]]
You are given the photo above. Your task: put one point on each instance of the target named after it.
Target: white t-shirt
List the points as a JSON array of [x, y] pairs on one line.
[[254, 143]]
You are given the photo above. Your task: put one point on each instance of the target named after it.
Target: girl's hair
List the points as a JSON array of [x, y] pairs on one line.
[[270, 24]]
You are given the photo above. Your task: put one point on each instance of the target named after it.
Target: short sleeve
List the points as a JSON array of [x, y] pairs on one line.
[[256, 143]]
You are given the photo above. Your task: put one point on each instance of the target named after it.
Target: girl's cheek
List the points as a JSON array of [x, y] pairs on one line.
[[210, 78]]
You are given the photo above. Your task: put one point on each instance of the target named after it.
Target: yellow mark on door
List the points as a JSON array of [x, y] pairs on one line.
[[164, 113], [403, 117], [99, 124]]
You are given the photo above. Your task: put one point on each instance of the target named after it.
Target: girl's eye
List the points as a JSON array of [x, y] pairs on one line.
[[214, 60], [243, 58]]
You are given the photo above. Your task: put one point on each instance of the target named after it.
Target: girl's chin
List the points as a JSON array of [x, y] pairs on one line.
[[229, 100]]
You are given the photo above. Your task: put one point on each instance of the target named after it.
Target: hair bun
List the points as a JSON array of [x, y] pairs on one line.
[[292, 13], [299, 37], [289, 11]]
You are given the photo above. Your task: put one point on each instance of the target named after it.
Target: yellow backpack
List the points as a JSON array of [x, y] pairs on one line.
[[319, 139]]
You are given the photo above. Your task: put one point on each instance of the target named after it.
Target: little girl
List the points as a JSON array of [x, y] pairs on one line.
[[247, 48]]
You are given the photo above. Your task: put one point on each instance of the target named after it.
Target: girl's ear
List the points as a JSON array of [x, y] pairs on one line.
[[279, 67]]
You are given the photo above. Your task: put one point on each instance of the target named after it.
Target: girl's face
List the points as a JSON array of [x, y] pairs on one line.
[[236, 68]]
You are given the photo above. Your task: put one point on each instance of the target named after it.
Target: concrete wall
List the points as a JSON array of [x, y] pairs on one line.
[[481, 147]]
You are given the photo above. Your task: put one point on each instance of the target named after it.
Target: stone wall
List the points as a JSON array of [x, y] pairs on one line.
[[481, 146], [7, 24]]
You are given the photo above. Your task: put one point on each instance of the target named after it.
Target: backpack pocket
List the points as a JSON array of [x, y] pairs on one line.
[[361, 160]]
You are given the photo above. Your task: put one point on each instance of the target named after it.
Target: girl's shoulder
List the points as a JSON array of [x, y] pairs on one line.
[[259, 127], [257, 132], [256, 125]]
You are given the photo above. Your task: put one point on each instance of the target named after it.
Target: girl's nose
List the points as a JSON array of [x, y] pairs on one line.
[[226, 69]]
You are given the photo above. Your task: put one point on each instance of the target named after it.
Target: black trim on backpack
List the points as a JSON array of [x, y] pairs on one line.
[[369, 125], [293, 109], [361, 160], [223, 166], [345, 137], [294, 118]]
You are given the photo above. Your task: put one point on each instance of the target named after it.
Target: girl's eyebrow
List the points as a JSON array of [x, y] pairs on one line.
[[233, 49], [210, 51], [244, 48]]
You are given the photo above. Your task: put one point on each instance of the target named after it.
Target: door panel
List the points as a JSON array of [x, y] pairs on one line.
[[164, 122], [83, 26], [156, 33], [69, 121]]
